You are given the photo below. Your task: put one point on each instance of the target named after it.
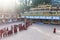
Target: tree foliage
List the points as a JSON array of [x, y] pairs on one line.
[[37, 2]]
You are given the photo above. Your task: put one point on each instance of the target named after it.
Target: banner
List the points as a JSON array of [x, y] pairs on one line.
[[42, 17]]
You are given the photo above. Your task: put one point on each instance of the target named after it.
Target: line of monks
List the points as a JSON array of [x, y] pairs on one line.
[[5, 32]]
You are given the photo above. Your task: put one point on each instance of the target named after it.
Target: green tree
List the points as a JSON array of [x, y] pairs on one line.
[[37, 2], [47, 1]]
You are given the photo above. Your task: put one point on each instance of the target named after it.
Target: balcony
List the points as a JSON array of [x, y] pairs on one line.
[[41, 14]]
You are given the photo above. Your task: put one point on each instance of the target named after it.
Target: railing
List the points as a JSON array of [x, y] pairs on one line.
[[41, 14]]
